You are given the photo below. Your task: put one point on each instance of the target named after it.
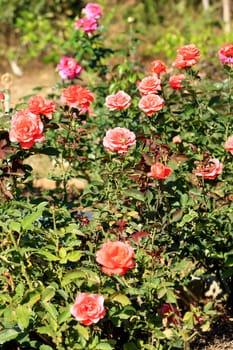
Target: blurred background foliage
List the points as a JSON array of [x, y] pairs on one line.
[[39, 28]]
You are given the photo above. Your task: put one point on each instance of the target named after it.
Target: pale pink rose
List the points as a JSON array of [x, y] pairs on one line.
[[88, 308], [42, 106], [87, 25], [177, 139], [211, 170], [118, 101], [229, 144], [93, 10], [115, 257], [69, 68], [26, 128], [226, 54], [149, 85], [119, 140], [176, 80], [151, 104]]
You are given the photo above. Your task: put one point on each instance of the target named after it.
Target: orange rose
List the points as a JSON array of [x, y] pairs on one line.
[[119, 101], [159, 171], [26, 128], [41, 106], [77, 96], [151, 104], [149, 85], [158, 67], [119, 140], [115, 257], [88, 308], [229, 144], [176, 80], [211, 170]]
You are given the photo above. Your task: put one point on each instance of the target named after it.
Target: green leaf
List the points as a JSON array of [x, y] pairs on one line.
[[47, 255], [103, 346], [122, 299], [23, 316], [72, 276], [28, 221], [83, 331], [134, 194], [47, 294], [74, 256], [15, 226], [64, 315], [50, 308], [7, 335]]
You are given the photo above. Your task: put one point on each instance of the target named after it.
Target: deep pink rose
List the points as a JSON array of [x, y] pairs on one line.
[[77, 96], [87, 25], [171, 313], [149, 85], [176, 80], [26, 128], [88, 308], [115, 257], [69, 68], [151, 103], [158, 67], [93, 10], [118, 101], [159, 171], [211, 170], [226, 54], [229, 144], [119, 140], [42, 106]]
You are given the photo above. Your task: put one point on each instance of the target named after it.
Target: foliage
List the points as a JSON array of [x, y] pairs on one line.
[[179, 227]]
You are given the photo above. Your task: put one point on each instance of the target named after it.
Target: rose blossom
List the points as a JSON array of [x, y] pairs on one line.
[[226, 54], [177, 139], [151, 103], [159, 171], [158, 67], [42, 106], [229, 144], [93, 10], [119, 140], [118, 101], [69, 68], [149, 85], [171, 313], [26, 128], [211, 171], [115, 257], [176, 80], [77, 96], [88, 308], [88, 25], [187, 56]]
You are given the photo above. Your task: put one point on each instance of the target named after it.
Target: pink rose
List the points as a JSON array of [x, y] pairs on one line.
[[159, 171], [77, 96], [211, 170], [92, 10], [158, 67], [187, 56], [88, 308], [42, 106], [229, 144], [226, 54], [118, 101], [88, 25], [69, 68], [119, 140], [151, 104], [176, 80], [149, 85], [177, 139], [26, 128], [115, 257]]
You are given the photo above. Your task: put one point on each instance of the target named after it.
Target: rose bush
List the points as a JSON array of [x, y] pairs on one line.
[[122, 261]]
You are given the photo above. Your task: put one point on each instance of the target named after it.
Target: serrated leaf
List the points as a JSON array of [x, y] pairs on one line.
[[122, 299], [7, 335], [47, 294], [83, 331], [134, 194]]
